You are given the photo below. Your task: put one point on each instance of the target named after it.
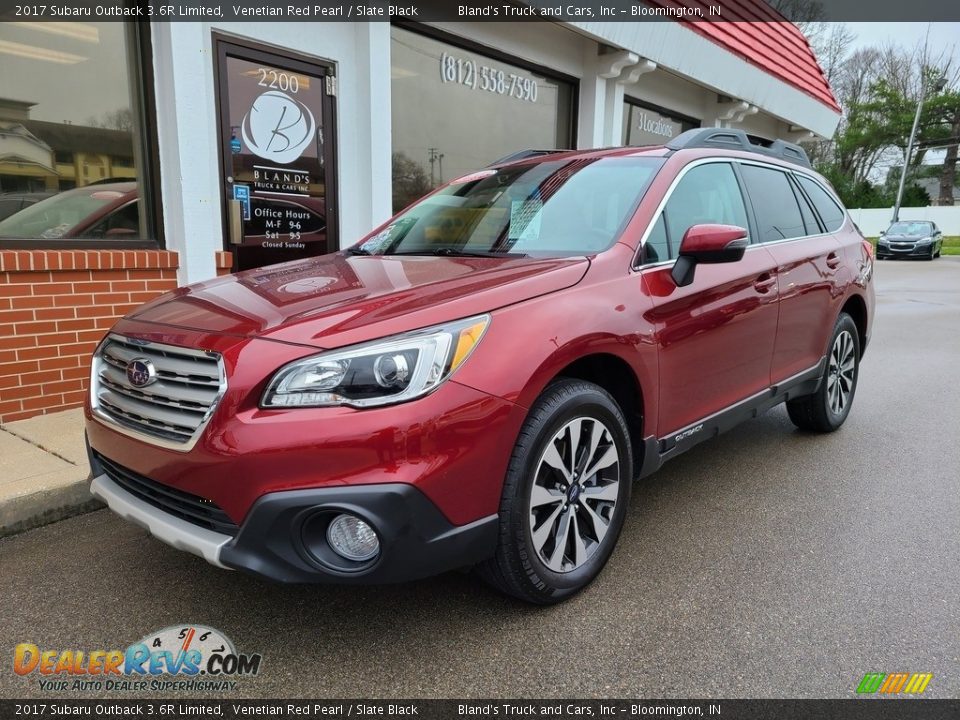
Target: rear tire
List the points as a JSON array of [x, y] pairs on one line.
[[828, 408], [565, 495]]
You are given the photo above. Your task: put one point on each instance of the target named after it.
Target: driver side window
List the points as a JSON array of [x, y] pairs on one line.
[[124, 222], [707, 194]]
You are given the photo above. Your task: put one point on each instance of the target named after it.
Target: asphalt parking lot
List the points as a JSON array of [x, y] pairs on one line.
[[764, 563]]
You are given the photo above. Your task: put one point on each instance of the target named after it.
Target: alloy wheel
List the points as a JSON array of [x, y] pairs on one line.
[[574, 493], [841, 373]]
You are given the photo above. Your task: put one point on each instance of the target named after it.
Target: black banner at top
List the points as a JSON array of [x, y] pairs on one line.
[[481, 10]]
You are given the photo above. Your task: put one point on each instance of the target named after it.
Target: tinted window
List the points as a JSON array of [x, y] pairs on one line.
[[706, 194], [809, 219], [656, 248], [8, 207], [831, 213], [775, 205], [124, 222]]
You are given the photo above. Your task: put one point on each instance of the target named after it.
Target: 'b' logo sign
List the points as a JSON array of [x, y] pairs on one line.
[[278, 127]]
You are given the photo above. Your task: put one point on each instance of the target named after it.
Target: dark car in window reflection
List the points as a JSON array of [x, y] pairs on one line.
[[105, 210], [14, 202]]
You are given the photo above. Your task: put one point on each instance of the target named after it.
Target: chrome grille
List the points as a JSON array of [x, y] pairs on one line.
[[170, 411]]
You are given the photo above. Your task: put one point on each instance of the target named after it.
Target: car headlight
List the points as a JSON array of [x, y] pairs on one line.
[[925, 241], [383, 372]]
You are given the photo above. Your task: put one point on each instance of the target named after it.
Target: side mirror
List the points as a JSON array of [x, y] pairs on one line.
[[882, 233], [707, 244]]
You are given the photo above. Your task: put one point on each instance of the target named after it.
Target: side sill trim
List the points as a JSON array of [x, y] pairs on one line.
[[166, 528], [658, 450]]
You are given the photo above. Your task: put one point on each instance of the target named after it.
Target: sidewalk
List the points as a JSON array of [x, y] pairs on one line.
[[43, 471]]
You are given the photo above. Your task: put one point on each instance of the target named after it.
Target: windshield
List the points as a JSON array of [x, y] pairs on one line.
[[563, 207], [55, 216], [909, 228]]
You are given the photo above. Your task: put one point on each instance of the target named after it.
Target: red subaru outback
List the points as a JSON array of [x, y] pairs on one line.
[[478, 381]]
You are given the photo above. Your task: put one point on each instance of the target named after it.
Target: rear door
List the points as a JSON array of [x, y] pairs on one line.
[[808, 260], [715, 335]]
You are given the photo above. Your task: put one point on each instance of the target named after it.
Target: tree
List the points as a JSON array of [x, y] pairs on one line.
[[410, 181], [878, 89], [943, 130], [119, 119]]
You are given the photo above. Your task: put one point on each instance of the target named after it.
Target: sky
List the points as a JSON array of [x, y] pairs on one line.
[[944, 36]]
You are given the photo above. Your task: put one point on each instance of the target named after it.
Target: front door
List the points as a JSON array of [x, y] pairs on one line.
[[276, 115], [716, 335]]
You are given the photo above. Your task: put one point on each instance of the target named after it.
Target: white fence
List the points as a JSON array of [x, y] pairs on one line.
[[872, 220]]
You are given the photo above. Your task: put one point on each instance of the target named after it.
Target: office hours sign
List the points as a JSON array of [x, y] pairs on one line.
[[276, 118]]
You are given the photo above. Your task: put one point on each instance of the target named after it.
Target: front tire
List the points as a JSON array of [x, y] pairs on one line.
[[828, 408], [565, 495]]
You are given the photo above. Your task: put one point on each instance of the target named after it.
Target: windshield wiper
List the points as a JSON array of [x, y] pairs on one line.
[[357, 251]]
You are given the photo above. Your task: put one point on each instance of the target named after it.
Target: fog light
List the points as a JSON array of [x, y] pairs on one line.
[[352, 538]]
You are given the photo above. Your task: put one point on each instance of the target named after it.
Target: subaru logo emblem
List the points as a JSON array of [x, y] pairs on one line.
[[141, 372]]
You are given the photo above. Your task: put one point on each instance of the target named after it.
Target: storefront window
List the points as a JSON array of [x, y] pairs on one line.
[[71, 164], [648, 125], [455, 111]]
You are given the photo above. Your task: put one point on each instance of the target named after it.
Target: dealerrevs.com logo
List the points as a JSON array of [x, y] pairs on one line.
[[894, 683], [179, 657]]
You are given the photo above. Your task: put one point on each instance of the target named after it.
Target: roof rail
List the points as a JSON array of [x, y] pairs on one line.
[[732, 139], [523, 155]]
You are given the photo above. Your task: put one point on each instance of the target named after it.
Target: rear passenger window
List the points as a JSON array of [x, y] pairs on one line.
[[831, 213], [774, 204], [706, 194], [809, 219]]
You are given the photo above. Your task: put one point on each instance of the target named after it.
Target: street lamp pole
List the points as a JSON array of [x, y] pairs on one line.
[[937, 87]]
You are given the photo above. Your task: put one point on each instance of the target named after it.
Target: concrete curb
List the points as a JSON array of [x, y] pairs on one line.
[[25, 512]]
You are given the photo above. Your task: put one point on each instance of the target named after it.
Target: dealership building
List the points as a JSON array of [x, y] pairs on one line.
[[138, 157]]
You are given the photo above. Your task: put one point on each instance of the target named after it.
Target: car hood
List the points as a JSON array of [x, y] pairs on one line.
[[338, 300], [905, 238]]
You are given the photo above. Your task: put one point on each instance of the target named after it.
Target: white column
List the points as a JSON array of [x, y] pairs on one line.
[[373, 130], [593, 93], [628, 76], [186, 125]]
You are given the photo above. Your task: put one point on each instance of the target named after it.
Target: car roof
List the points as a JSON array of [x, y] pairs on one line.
[[660, 151]]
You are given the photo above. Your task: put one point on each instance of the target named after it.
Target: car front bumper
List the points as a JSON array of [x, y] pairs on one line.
[[918, 250], [283, 539]]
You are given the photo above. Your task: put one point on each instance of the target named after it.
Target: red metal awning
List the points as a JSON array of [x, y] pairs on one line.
[[752, 30]]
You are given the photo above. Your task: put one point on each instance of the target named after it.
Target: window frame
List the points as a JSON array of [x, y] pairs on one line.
[[830, 195], [637, 263], [140, 62], [793, 191]]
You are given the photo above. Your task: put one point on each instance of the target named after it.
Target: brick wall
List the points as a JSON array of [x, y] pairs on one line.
[[55, 306], [224, 262]]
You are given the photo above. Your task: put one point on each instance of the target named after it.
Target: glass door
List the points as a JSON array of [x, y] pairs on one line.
[[276, 122]]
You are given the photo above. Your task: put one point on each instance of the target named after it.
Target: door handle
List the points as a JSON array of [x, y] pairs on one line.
[[763, 283], [833, 262], [235, 225]]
